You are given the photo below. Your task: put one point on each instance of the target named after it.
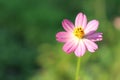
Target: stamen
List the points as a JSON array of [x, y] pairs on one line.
[[78, 32]]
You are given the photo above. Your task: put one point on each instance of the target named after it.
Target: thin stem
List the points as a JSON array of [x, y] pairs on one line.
[[77, 69]]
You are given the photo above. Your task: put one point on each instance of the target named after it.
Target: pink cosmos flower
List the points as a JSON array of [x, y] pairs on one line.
[[80, 37]]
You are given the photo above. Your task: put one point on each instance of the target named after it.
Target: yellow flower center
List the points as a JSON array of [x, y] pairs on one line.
[[78, 32]]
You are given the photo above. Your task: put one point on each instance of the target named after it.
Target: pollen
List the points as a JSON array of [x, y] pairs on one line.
[[78, 32]]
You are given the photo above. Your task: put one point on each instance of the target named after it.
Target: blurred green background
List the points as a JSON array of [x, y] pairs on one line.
[[29, 50]]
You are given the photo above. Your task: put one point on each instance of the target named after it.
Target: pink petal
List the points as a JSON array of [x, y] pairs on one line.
[[80, 50], [91, 46], [81, 20], [67, 25], [63, 36], [94, 37], [91, 26], [70, 46]]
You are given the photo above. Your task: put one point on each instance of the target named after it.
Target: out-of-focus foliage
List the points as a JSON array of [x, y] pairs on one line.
[[29, 51]]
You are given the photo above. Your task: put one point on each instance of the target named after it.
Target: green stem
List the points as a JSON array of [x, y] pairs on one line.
[[77, 69]]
